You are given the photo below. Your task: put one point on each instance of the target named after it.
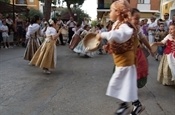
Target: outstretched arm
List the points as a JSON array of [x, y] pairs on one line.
[[120, 35], [158, 43]]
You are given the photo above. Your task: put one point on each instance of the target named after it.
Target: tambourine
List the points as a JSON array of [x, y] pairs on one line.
[[153, 48], [91, 42], [64, 31]]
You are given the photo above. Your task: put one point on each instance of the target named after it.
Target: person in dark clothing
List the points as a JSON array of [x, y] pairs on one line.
[[71, 24], [60, 26], [1, 39]]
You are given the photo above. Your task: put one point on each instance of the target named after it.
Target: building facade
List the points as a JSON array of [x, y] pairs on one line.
[[146, 7], [29, 3], [167, 6]]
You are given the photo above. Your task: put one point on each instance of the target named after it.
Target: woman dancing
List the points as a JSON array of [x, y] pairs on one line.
[[166, 69], [32, 34], [45, 56]]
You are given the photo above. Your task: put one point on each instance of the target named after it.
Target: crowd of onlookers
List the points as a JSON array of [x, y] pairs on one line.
[[12, 33], [157, 30]]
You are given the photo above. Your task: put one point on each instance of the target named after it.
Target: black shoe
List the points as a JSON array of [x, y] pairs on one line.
[[101, 53], [137, 110], [123, 110], [156, 58], [63, 44], [86, 56]]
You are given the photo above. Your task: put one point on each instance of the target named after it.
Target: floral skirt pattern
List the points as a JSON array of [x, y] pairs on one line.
[[164, 73]]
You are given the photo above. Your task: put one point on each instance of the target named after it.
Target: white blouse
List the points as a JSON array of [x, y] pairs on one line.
[[168, 37], [120, 35], [51, 31], [32, 28]]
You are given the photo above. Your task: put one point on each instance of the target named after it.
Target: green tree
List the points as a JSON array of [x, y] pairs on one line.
[[7, 1], [94, 23], [34, 12], [73, 2], [47, 8], [79, 14]]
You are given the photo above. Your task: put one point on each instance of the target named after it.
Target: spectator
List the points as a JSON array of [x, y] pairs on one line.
[[167, 21], [9, 23], [5, 36], [145, 27], [60, 25], [159, 36], [1, 39], [151, 29], [173, 20], [71, 24], [19, 30]]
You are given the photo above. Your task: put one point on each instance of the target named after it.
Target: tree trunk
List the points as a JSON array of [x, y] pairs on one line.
[[47, 9], [69, 9]]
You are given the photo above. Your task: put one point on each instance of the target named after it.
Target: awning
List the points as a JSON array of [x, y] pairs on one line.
[[8, 8]]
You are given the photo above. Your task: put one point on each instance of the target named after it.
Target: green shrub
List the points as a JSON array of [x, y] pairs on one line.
[[34, 12]]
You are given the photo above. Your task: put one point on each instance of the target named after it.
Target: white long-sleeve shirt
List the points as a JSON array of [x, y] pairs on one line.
[[120, 35], [5, 30], [32, 28]]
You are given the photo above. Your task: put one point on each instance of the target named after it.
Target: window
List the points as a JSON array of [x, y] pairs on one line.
[[100, 3], [147, 1], [31, 0], [141, 1], [21, 1]]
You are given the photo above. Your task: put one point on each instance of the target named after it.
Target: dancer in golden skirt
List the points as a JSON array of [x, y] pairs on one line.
[[45, 56]]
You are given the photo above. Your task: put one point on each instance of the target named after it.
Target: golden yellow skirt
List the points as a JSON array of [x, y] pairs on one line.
[[45, 56]]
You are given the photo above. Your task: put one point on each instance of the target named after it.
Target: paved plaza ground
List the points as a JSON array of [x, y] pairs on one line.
[[76, 87]]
